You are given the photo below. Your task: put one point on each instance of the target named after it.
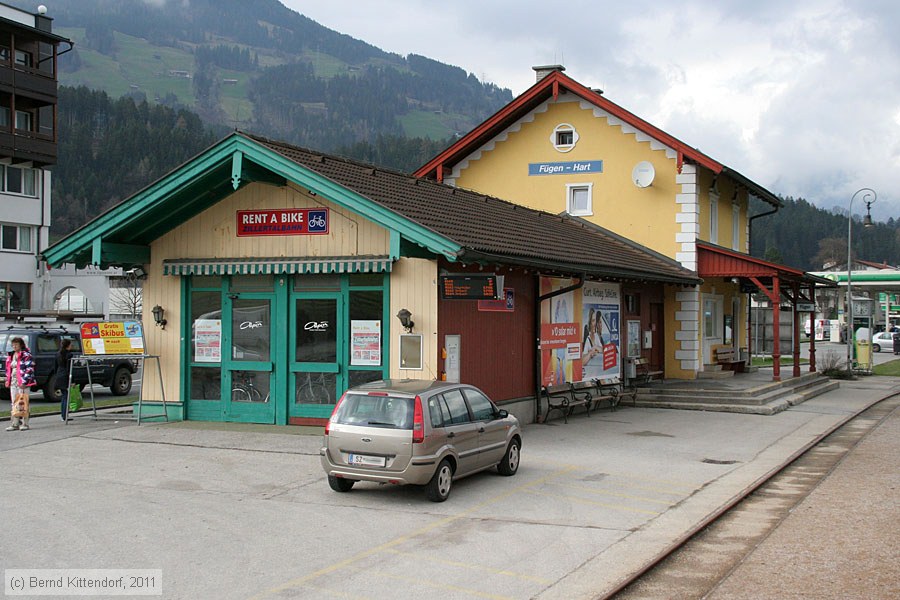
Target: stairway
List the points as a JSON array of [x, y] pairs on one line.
[[762, 399]]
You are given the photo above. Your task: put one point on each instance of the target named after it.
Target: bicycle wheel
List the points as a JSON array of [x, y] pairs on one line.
[[240, 393]]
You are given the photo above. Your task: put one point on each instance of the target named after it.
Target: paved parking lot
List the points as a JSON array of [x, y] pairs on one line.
[[245, 512]]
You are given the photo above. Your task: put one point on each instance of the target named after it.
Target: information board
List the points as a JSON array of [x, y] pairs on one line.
[[112, 337], [468, 287]]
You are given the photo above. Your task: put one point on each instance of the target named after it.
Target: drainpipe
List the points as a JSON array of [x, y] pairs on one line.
[[537, 329], [750, 228]]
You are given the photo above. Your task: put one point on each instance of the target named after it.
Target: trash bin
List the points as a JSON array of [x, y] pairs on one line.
[[896, 343]]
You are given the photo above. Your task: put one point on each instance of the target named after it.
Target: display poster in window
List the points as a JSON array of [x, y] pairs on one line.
[[633, 345], [580, 332], [365, 343], [112, 337], [208, 340]]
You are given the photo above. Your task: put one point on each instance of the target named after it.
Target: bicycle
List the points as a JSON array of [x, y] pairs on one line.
[[314, 390], [245, 390]]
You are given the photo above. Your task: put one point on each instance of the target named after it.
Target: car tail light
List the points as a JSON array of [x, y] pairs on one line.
[[334, 412], [418, 423]]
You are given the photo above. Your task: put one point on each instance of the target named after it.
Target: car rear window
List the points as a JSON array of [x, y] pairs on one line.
[[376, 411]]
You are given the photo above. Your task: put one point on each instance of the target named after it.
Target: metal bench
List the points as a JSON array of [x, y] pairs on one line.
[[614, 390], [565, 397], [644, 373]]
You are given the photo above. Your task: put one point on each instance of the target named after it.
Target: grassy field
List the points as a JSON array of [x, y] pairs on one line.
[[889, 368]]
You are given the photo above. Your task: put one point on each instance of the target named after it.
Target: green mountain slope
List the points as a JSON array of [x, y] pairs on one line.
[[262, 67]]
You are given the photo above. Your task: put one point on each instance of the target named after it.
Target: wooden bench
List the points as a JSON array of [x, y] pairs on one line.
[[725, 356], [644, 373], [566, 397]]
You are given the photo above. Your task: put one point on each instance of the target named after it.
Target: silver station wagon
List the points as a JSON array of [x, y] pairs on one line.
[[418, 433]]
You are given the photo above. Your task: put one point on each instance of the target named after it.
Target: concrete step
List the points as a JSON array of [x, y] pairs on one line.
[[768, 399], [715, 374]]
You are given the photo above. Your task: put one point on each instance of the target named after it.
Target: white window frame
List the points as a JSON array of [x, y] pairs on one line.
[[22, 232], [713, 218], [571, 188], [564, 128], [735, 226], [26, 174]]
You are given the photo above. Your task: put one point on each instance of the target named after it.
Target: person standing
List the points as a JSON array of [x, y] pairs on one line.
[[61, 379], [19, 378]]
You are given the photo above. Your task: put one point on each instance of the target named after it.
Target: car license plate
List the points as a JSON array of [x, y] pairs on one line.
[[369, 461]]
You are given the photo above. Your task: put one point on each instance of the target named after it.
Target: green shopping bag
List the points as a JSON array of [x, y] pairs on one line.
[[75, 399]]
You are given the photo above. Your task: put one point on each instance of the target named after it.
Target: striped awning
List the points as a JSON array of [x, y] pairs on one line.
[[277, 266]]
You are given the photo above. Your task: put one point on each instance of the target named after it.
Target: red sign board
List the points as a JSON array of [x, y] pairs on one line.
[[282, 221]]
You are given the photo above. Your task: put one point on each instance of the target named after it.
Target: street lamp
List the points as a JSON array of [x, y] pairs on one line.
[[867, 222]]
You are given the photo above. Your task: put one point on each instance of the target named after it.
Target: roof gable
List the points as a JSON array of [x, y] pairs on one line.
[[552, 86]]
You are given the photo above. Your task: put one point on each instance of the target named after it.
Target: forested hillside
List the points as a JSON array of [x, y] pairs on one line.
[[809, 238], [111, 148]]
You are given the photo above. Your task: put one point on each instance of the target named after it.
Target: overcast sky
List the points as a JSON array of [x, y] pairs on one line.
[[802, 97]]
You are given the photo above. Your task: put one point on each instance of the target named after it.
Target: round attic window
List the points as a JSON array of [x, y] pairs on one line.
[[564, 137]]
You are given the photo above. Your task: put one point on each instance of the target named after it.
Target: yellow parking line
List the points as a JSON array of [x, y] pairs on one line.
[[300, 581], [614, 494], [595, 503], [471, 567]]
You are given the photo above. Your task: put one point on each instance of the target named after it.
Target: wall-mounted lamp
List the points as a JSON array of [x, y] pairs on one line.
[[406, 320], [159, 315], [735, 280], [137, 272]]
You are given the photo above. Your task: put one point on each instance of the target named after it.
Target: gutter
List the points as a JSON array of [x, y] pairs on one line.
[[750, 228]]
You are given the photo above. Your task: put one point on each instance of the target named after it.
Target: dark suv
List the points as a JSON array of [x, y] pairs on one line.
[[43, 342]]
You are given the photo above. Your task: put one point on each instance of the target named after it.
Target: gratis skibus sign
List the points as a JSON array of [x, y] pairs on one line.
[[282, 221]]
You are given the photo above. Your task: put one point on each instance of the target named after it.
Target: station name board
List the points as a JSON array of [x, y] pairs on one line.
[[282, 221], [468, 287], [565, 168]]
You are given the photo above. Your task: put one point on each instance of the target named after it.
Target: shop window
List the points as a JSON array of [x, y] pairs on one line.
[[316, 333], [206, 384], [367, 279], [206, 327], [564, 137], [578, 199], [206, 281], [358, 377], [252, 283], [317, 283]]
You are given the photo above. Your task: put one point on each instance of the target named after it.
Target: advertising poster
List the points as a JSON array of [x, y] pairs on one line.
[[365, 343], [208, 340], [580, 332], [560, 349], [112, 337], [601, 335]]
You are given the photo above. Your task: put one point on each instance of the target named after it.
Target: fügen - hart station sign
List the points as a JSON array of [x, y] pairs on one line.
[[282, 221]]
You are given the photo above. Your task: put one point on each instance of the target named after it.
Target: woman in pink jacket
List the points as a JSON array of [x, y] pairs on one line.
[[19, 378]]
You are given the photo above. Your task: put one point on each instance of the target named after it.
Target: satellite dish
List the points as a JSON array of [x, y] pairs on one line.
[[643, 173]]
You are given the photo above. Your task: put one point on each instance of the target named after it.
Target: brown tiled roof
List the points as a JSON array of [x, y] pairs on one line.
[[491, 229]]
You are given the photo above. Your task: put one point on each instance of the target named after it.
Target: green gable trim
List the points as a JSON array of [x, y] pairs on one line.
[[205, 180], [277, 266]]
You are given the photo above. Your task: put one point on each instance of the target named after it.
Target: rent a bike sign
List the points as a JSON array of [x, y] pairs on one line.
[[283, 221]]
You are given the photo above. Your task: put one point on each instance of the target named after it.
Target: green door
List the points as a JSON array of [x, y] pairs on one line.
[[316, 349], [248, 366]]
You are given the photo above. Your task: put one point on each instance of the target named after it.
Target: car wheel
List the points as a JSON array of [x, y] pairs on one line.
[[121, 382], [510, 463], [339, 484], [51, 394], [876, 348], [438, 488]]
